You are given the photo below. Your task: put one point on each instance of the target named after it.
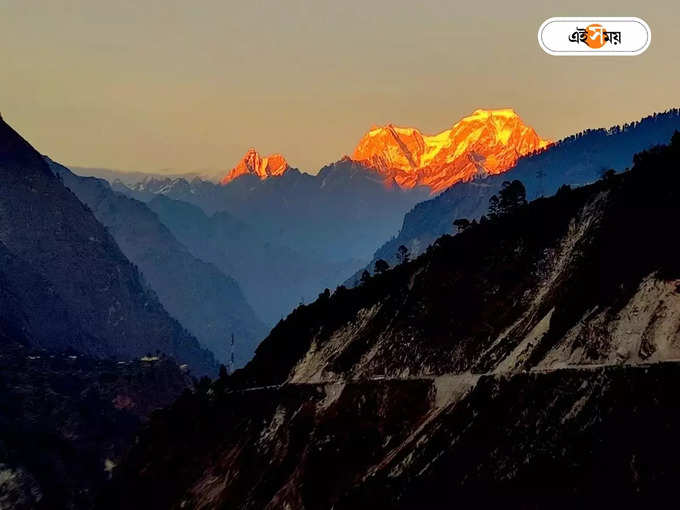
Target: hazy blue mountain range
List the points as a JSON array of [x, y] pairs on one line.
[[130, 178], [284, 239], [274, 277], [79, 290], [336, 214], [205, 301]]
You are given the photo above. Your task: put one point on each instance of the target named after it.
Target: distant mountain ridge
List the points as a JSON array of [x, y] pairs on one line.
[[346, 205], [340, 214], [132, 177], [304, 232]]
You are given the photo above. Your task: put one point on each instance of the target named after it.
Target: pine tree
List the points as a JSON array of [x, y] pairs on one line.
[[381, 266], [403, 255], [462, 224], [511, 197]]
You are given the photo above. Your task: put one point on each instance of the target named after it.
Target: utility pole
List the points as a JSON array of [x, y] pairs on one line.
[[231, 355], [541, 175]]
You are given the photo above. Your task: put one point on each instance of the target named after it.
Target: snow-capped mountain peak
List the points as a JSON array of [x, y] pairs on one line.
[[253, 164], [484, 142]]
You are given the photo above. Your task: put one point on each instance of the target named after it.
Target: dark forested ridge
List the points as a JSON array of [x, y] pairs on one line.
[[66, 420], [528, 362]]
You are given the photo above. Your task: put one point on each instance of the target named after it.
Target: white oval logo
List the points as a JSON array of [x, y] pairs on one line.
[[594, 36]]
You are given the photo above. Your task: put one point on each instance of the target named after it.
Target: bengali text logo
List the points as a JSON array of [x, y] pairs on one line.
[[594, 36]]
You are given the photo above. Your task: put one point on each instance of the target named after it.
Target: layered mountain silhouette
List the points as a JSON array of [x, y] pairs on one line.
[[530, 361], [68, 283], [208, 303], [283, 238], [335, 214], [287, 235], [275, 278]]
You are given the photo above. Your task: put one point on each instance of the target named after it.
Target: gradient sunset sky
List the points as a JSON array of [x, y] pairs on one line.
[[152, 85]]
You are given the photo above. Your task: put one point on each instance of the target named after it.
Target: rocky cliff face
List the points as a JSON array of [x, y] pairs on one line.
[[57, 239], [575, 437], [525, 362]]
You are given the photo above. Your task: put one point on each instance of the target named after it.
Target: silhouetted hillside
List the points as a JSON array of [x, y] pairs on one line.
[[45, 229], [526, 362]]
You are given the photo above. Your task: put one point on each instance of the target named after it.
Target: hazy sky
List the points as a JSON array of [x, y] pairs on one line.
[[159, 84]]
